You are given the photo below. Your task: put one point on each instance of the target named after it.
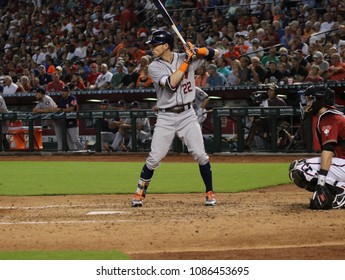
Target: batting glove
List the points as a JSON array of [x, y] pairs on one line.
[[190, 51]]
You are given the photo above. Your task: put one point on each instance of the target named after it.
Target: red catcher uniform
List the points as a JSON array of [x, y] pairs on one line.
[[331, 129]]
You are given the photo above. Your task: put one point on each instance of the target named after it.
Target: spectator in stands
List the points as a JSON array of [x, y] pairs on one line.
[[273, 75], [215, 78], [35, 82], [222, 66], [298, 44], [122, 45], [9, 86], [117, 76], [128, 18], [234, 76], [255, 49], [83, 70], [245, 72], [92, 77], [201, 76], [56, 84], [38, 56], [50, 65], [336, 71], [129, 80], [144, 62], [231, 52], [144, 80], [313, 76], [272, 37], [298, 72], [328, 22], [43, 76], [137, 52], [51, 51], [318, 60], [24, 84], [58, 69], [282, 68], [301, 58], [73, 54], [258, 72], [271, 56], [78, 82], [103, 80]]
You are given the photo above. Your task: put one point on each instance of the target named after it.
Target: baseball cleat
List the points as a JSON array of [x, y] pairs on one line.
[[338, 202], [137, 200], [210, 199]]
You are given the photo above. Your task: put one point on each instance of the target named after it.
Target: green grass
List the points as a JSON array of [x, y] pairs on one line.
[[58, 178], [63, 255]]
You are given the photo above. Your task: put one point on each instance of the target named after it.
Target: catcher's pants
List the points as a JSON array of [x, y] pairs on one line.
[[336, 173], [335, 176]]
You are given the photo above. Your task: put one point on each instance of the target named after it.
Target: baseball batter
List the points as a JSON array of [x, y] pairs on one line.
[[325, 175], [173, 77]]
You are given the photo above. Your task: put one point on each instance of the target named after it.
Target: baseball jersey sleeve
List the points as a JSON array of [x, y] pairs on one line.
[[328, 128], [3, 107]]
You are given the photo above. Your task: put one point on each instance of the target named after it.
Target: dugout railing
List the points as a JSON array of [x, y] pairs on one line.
[[30, 119], [238, 114]]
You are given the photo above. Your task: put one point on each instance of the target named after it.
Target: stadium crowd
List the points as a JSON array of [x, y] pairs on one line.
[[101, 44]]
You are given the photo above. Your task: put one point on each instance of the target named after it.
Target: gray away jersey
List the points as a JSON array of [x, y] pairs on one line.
[[47, 102], [160, 70]]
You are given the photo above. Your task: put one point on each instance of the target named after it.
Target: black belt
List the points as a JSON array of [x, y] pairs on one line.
[[176, 109]]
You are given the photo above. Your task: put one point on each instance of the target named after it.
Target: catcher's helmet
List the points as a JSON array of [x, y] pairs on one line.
[[162, 37], [316, 97]]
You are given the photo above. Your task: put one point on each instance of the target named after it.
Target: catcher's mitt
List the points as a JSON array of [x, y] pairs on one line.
[[321, 199]]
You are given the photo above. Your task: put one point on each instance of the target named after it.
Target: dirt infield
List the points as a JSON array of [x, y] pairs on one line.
[[271, 223]]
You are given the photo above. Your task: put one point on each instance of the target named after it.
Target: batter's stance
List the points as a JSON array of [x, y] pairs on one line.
[[173, 77], [325, 175]]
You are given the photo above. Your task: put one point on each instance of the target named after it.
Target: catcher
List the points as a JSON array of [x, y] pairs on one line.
[[324, 175]]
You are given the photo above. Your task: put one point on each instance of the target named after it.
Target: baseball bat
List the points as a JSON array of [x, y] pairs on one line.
[[166, 16]]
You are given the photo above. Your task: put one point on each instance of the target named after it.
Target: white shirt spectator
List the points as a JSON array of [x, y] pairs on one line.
[[103, 81], [9, 86], [39, 58]]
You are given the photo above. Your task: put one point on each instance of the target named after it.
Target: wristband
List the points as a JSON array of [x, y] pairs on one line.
[[323, 172], [321, 177], [211, 54], [183, 66], [202, 51]]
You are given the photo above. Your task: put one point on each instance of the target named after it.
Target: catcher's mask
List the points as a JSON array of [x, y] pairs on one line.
[[314, 98]]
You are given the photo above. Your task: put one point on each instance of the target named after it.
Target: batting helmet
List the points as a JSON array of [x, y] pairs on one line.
[[162, 37], [317, 97]]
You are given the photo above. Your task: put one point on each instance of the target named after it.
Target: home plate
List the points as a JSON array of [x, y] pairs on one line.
[[106, 212]]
